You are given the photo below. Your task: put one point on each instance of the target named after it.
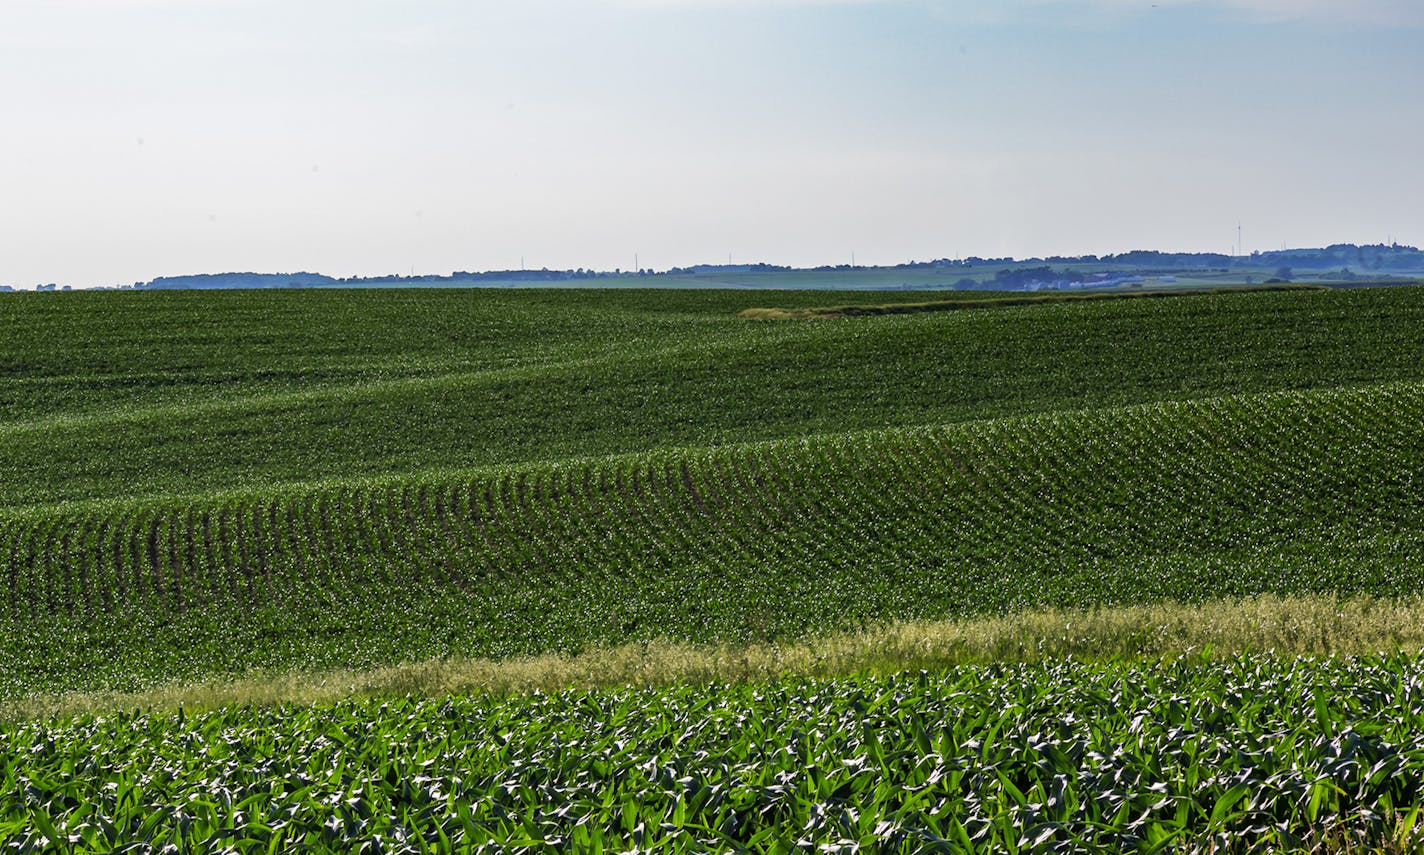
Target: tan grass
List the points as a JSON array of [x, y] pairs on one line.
[[1290, 626]]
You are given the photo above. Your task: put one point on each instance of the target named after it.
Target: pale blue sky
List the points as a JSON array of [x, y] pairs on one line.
[[153, 137]]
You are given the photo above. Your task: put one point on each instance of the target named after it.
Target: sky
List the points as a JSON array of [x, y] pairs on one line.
[[143, 138]]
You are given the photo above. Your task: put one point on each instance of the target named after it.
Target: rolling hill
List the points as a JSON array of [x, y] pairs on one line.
[[446, 570]]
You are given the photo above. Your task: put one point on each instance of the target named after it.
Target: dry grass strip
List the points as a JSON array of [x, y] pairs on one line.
[[1311, 626]]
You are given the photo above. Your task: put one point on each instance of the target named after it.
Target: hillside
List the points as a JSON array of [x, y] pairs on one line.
[[456, 570], [1215, 497], [117, 395]]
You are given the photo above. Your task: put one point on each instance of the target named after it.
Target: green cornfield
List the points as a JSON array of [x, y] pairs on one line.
[[228, 490], [1257, 753], [1279, 493]]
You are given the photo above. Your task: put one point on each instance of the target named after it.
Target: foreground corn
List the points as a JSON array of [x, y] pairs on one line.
[[1067, 757]]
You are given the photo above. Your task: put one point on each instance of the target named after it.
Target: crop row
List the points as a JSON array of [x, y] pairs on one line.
[[1257, 751], [1280, 493]]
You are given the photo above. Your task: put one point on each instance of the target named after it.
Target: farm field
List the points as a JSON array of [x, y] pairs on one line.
[[246, 486], [1280, 493], [117, 395], [1250, 753]]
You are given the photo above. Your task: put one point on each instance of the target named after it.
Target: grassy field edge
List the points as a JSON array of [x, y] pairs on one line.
[[1288, 626]]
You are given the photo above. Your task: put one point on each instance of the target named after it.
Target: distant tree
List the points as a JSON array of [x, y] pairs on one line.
[[1284, 273]]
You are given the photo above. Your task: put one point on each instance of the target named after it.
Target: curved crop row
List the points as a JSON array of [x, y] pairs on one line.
[[1281, 493]]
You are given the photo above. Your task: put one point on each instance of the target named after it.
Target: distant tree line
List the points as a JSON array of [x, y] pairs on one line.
[[1344, 261], [318, 280], [1373, 257]]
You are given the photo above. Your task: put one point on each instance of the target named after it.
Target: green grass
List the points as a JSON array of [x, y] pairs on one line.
[[1254, 753]]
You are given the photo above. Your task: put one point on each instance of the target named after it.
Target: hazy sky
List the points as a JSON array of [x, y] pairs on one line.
[[141, 138]]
